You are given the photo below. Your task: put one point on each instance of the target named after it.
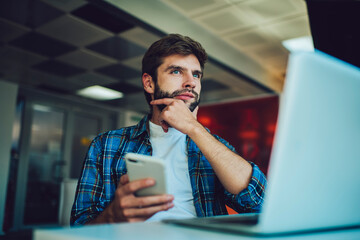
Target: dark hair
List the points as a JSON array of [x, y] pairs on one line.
[[166, 46]]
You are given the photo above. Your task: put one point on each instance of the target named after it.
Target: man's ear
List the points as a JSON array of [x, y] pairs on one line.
[[148, 83]]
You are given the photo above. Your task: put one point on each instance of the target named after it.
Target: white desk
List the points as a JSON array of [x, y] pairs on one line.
[[160, 231]]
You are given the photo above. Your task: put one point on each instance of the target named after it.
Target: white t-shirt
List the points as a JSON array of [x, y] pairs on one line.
[[171, 147]]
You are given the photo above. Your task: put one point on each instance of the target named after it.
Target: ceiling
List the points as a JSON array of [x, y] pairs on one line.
[[61, 46]]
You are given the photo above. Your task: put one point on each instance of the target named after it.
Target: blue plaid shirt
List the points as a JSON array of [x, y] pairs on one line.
[[104, 165]]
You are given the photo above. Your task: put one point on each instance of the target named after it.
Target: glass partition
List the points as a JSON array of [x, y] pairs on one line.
[[45, 166]]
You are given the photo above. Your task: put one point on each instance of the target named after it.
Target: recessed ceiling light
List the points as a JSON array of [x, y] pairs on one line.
[[99, 93], [299, 44]]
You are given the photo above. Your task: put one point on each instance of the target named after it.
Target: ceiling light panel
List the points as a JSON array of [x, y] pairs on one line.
[[99, 93]]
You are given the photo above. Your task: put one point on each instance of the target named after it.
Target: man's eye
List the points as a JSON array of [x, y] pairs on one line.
[[176, 72], [196, 75]]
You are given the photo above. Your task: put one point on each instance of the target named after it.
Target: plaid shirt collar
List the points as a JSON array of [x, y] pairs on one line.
[[142, 128]]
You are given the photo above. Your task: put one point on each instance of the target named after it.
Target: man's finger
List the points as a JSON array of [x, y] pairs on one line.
[[140, 202], [165, 101], [132, 220], [146, 212], [124, 179], [136, 185]]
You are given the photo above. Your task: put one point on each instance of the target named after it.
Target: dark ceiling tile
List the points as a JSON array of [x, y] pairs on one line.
[[212, 85], [118, 48], [125, 88], [28, 12], [41, 44], [116, 102], [58, 68], [54, 89], [10, 30], [102, 18], [119, 72]]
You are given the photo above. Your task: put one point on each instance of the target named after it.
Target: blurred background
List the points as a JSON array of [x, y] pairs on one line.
[[56, 56]]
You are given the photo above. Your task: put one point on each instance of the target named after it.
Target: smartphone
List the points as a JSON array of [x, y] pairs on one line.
[[142, 166]]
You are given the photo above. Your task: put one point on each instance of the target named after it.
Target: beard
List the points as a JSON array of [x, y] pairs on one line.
[[159, 94]]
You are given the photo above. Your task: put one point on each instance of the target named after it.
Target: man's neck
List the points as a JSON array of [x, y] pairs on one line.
[[155, 116]]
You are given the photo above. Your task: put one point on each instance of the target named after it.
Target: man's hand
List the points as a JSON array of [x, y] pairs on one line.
[[126, 207], [129, 208], [233, 171], [177, 115]]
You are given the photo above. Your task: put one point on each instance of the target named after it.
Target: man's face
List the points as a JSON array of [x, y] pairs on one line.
[[179, 77]]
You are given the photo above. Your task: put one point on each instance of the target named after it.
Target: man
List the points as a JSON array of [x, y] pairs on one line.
[[203, 170]]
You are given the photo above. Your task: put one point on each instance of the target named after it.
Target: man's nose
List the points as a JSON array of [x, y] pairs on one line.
[[189, 81]]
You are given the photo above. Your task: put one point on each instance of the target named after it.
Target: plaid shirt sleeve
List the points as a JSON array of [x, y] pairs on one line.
[[89, 200], [250, 199], [103, 168]]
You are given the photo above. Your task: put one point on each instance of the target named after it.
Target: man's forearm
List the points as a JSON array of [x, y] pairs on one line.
[[105, 217], [233, 171]]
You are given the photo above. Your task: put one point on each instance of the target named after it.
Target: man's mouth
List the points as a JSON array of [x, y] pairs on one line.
[[189, 96], [184, 96]]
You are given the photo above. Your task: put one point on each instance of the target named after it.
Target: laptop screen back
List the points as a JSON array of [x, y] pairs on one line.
[[314, 168]]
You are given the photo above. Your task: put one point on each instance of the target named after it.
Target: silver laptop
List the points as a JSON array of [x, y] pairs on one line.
[[314, 174]]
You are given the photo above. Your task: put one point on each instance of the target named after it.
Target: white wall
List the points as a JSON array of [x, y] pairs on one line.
[[8, 95]]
